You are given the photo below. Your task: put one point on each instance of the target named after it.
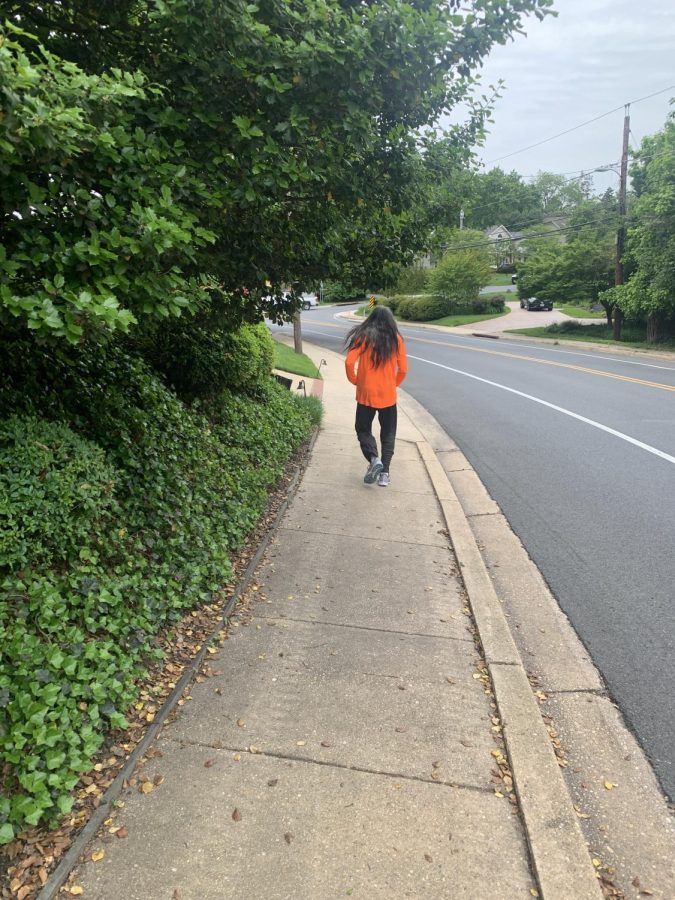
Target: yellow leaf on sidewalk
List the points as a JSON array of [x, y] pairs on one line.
[[97, 855]]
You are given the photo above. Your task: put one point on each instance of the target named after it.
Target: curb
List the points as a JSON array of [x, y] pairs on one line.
[[558, 850], [60, 874]]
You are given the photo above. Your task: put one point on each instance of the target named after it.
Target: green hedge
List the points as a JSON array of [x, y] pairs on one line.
[[430, 307], [120, 508]]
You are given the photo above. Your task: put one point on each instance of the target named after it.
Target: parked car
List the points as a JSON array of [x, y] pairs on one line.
[[514, 278], [309, 301], [534, 303]]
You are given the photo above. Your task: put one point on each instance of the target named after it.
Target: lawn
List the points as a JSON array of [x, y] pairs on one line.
[[499, 278], [580, 312], [286, 359], [632, 337]]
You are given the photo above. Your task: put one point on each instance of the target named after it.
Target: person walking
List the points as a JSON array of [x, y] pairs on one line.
[[376, 363]]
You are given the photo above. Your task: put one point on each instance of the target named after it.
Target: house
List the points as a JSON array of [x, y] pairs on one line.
[[505, 241]]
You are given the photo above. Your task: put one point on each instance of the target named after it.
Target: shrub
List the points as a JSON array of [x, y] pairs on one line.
[[337, 291], [115, 524], [429, 308], [412, 281], [406, 308], [486, 304], [461, 274], [200, 355]]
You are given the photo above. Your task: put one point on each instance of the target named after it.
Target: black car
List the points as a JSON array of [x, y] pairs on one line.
[[534, 303]]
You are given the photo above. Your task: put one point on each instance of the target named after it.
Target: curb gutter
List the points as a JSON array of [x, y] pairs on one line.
[[60, 874], [558, 849]]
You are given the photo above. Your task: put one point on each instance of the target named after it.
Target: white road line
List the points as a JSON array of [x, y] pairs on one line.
[[560, 409]]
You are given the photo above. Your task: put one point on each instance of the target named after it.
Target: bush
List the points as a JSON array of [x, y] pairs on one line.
[[200, 355], [406, 308], [461, 274], [487, 303], [429, 308], [55, 490], [412, 281], [337, 292], [113, 525]]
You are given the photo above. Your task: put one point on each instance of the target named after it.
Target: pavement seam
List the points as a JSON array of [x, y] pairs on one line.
[[361, 537], [422, 634], [559, 853], [332, 764]]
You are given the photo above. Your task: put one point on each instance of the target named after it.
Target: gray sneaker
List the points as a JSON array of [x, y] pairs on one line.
[[384, 480], [374, 470]]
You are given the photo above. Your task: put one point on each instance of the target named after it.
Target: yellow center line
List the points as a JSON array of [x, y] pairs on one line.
[[549, 362]]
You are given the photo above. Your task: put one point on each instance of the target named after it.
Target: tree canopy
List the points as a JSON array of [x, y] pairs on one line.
[[157, 150]]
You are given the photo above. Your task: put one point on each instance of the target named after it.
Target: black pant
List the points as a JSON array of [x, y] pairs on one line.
[[364, 423]]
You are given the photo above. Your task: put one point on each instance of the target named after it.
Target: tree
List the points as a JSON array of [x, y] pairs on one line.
[[559, 194], [500, 198], [279, 141], [94, 227], [463, 270], [650, 247]]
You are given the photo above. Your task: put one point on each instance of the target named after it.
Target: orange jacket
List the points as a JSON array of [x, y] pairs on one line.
[[376, 387]]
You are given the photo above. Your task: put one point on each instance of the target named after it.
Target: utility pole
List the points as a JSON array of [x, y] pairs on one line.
[[621, 233]]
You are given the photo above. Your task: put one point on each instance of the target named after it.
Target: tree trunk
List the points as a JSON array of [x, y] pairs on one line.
[[653, 327], [618, 322], [297, 333], [609, 310]]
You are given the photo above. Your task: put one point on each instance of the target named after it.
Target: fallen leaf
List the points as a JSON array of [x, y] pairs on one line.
[[534, 892], [209, 763], [122, 832], [300, 743], [325, 744], [610, 785], [75, 890], [595, 861], [157, 780], [253, 749], [288, 837], [401, 729], [498, 794], [97, 855], [236, 816], [273, 782], [428, 858], [146, 787], [241, 723]]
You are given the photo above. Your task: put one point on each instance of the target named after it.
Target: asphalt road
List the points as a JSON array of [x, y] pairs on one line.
[[578, 449]]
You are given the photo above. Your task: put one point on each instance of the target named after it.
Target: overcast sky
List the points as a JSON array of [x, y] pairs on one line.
[[594, 56]]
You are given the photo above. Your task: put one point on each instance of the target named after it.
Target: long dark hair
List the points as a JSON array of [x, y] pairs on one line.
[[378, 333]]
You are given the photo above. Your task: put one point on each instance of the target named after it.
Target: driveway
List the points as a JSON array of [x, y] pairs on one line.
[[520, 318]]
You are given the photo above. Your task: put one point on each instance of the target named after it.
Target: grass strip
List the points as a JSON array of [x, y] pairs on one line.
[[286, 359], [596, 334], [580, 312], [446, 321]]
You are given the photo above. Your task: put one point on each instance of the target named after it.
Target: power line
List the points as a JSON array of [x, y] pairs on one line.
[[581, 125]]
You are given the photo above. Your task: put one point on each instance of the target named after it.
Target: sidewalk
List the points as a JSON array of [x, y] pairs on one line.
[[348, 740]]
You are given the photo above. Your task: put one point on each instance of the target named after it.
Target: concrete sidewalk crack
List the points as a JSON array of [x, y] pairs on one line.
[[442, 637], [381, 539], [366, 770]]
